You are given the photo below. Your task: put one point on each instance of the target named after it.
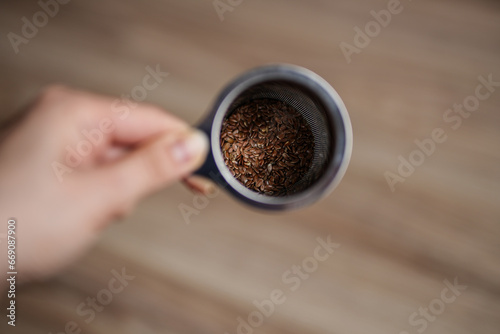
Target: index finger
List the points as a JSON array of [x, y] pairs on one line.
[[122, 121]]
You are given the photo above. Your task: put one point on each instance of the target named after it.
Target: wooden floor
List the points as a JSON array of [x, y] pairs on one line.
[[397, 248]]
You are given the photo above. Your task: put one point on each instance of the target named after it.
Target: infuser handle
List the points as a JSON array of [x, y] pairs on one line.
[[209, 168]]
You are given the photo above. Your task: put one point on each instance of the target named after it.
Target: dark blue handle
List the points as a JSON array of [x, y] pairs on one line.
[[209, 168]]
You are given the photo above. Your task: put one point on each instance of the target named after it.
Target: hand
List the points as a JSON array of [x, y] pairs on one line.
[[79, 161]]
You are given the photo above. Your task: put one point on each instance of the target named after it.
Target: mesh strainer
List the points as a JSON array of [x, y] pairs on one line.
[[320, 106]]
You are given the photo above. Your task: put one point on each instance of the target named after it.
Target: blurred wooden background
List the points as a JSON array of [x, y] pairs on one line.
[[396, 248]]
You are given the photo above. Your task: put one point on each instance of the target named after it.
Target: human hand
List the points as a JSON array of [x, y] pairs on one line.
[[61, 200]]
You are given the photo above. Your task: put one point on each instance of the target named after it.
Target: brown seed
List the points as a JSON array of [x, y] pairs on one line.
[[268, 146]]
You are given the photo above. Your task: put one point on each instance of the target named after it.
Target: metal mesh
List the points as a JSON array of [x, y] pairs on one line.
[[312, 111]]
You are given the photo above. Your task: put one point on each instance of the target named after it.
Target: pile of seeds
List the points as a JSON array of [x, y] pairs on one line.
[[268, 146]]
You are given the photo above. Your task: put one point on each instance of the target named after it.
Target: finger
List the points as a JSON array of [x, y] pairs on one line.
[[121, 121], [142, 122], [112, 154], [167, 158], [200, 185]]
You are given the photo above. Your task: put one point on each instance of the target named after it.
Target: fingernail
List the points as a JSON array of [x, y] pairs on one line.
[[190, 147], [209, 188]]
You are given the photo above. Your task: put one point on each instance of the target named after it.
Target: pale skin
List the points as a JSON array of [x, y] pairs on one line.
[[58, 218]]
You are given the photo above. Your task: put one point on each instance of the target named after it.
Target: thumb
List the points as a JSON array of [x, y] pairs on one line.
[[167, 158]]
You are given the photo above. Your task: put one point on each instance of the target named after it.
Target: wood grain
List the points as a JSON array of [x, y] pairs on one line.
[[397, 248]]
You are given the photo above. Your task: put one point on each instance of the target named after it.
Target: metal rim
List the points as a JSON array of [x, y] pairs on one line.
[[337, 114]]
